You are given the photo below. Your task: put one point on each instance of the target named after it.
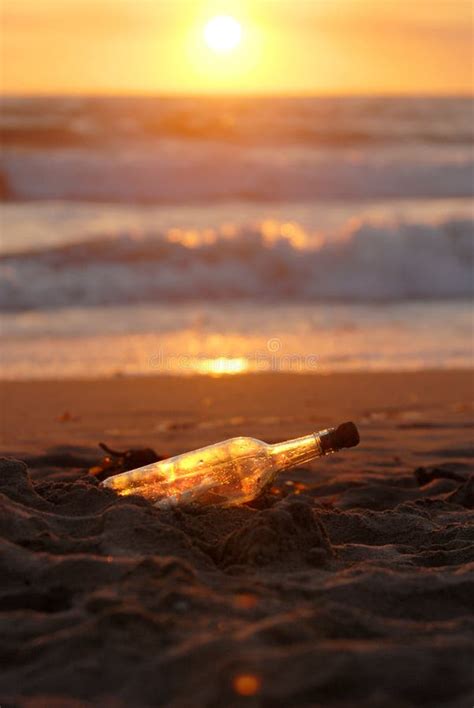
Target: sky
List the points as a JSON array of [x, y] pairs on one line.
[[288, 47]]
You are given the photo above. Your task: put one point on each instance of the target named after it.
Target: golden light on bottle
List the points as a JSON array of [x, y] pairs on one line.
[[227, 473]]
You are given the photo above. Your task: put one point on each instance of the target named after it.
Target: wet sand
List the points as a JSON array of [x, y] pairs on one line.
[[350, 583]]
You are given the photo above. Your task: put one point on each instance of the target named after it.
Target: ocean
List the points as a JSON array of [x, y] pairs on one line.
[[220, 235]]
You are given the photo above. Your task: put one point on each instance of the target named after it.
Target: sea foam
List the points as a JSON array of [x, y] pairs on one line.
[[364, 261]]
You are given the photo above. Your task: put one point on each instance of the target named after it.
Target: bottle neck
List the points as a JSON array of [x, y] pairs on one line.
[[301, 450], [295, 452]]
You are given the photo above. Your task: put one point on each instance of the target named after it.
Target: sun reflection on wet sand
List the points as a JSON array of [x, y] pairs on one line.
[[219, 366]]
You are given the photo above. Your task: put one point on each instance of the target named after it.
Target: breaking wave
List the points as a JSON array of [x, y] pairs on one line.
[[364, 261], [177, 173], [183, 150]]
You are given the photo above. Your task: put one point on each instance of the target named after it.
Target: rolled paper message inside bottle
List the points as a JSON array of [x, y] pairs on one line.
[[230, 472]]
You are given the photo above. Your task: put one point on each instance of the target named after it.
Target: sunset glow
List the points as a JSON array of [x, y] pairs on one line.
[[266, 46]]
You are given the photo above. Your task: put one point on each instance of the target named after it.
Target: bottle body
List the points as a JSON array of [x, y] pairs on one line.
[[228, 473]]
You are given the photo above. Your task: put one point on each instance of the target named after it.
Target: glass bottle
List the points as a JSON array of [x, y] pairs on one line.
[[227, 473]]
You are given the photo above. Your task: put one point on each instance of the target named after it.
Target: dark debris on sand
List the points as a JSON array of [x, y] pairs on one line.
[[358, 591], [116, 462]]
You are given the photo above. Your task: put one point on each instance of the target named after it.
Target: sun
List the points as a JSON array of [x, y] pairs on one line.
[[223, 33]]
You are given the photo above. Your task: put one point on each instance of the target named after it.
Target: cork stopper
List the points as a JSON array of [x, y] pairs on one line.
[[345, 435]]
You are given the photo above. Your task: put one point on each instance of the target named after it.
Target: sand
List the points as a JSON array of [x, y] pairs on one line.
[[351, 583]]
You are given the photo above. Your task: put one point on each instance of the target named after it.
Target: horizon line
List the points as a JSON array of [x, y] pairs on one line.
[[235, 94]]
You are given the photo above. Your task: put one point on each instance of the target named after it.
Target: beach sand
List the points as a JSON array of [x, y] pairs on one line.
[[351, 583]]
